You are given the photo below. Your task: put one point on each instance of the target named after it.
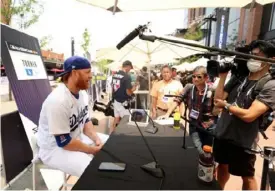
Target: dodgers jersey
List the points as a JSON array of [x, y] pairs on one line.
[[62, 113]]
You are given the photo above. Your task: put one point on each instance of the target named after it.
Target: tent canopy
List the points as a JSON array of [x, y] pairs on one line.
[[154, 5], [141, 52]]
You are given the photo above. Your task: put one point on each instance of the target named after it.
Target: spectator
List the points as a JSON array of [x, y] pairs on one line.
[[122, 92], [167, 86], [199, 98]]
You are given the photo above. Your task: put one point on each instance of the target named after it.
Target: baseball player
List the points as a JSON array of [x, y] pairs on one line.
[[66, 137]]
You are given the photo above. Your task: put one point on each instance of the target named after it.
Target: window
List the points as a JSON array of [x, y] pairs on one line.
[[245, 23]]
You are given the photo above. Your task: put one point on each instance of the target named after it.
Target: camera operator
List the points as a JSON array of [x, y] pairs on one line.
[[240, 119], [199, 98]]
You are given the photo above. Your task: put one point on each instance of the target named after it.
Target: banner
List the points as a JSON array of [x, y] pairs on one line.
[[28, 64], [22, 60]]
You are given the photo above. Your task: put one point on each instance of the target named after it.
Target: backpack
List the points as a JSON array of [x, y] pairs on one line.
[[267, 118]]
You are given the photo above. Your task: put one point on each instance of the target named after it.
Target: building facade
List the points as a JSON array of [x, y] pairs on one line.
[[258, 23], [267, 31]]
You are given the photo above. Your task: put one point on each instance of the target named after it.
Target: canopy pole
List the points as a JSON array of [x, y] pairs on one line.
[[115, 6]]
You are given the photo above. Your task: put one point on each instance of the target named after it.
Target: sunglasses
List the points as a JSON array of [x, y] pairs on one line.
[[199, 77]]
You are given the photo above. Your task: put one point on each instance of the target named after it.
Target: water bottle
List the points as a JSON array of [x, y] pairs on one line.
[[206, 165], [177, 121]]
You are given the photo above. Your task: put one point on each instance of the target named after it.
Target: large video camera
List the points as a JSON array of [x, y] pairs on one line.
[[237, 67]]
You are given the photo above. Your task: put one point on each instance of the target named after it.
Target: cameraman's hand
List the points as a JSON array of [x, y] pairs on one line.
[[223, 75], [219, 103]]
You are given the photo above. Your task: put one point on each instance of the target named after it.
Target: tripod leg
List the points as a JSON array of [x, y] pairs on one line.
[[184, 136]]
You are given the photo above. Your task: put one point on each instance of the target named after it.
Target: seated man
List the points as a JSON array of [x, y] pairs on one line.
[[199, 98], [166, 86], [66, 138]]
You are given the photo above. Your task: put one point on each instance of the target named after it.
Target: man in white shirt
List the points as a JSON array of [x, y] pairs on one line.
[[66, 138]]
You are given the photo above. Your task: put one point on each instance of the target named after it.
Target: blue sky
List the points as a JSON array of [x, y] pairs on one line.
[[63, 19]]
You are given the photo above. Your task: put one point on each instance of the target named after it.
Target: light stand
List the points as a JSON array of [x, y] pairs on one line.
[[185, 128], [152, 168]]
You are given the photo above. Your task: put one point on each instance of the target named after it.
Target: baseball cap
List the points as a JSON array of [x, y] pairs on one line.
[[127, 63], [75, 63]]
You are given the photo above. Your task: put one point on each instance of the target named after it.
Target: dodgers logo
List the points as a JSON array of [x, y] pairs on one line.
[[76, 120], [29, 72]]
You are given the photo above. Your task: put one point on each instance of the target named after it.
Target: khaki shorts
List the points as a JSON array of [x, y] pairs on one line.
[[119, 109]]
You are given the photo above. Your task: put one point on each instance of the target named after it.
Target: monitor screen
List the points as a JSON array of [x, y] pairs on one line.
[[139, 116]]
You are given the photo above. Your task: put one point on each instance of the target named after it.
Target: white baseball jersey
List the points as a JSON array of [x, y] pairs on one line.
[[61, 113]]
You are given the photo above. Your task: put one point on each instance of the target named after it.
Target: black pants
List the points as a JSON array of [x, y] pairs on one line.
[[240, 163], [200, 138]]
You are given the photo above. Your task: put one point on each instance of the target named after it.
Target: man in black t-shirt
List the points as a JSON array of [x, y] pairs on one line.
[[240, 119], [122, 91]]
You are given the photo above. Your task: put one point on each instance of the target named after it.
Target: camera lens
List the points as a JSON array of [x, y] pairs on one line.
[[213, 68], [225, 67]]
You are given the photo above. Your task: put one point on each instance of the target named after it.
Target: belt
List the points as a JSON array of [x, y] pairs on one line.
[[164, 110]]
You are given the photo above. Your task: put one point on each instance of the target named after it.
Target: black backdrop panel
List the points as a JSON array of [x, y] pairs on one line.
[[28, 94], [17, 152]]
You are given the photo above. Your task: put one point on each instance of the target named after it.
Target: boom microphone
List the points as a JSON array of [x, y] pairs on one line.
[[131, 36]]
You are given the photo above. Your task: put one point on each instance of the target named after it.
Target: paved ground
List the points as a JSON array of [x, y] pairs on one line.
[[233, 184]]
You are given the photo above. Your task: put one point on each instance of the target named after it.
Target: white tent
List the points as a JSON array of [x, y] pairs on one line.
[[115, 66], [154, 5], [145, 52], [191, 66]]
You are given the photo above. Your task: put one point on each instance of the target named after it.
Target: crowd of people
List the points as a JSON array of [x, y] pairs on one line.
[[231, 112]]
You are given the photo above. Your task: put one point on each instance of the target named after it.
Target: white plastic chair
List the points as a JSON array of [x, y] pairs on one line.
[[36, 162]]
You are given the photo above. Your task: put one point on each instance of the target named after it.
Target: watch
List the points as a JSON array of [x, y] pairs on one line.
[[227, 105]]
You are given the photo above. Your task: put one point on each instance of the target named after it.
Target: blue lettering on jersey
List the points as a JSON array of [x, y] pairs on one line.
[[75, 121]]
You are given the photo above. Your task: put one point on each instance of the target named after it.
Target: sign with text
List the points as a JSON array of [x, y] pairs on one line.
[[28, 64]]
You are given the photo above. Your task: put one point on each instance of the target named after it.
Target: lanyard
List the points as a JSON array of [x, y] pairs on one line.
[[204, 94], [240, 89]]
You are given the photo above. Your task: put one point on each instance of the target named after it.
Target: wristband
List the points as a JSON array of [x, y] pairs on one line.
[[227, 105]]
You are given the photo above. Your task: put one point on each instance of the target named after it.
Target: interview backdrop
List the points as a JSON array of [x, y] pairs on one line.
[[21, 57]]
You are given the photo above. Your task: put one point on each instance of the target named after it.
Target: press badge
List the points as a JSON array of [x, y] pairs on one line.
[[165, 99], [194, 114]]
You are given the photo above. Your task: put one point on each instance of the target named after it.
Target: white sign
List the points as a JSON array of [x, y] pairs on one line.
[[27, 63], [4, 80]]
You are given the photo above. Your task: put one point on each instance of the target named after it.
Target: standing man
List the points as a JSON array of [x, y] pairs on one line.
[[241, 119], [166, 86], [199, 98], [66, 138], [175, 76], [122, 92], [143, 85]]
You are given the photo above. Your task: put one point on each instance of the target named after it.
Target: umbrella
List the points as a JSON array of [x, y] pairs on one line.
[[114, 66], [141, 52], [191, 66], [153, 5]]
